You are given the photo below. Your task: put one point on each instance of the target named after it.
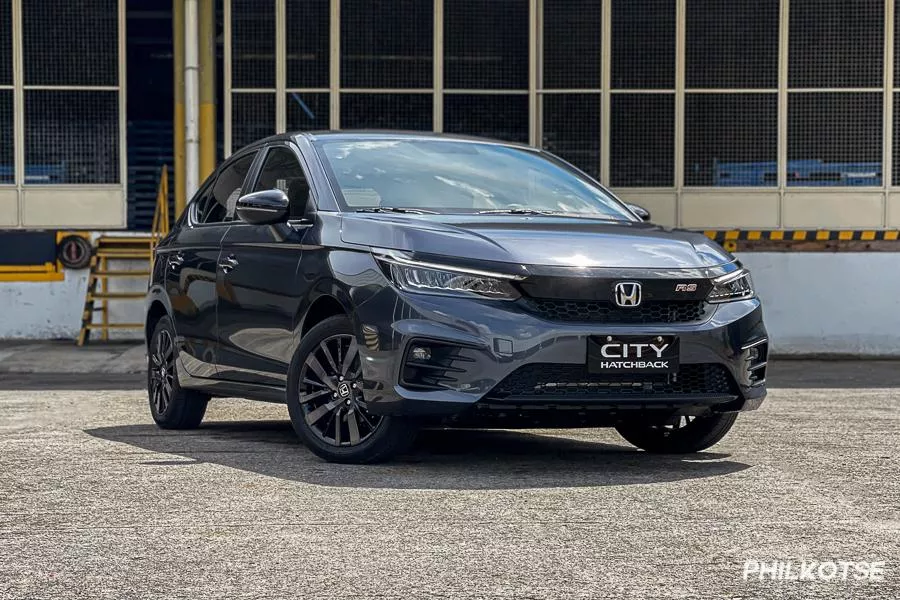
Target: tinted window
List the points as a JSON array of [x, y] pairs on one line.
[[460, 177], [218, 200], [282, 171]]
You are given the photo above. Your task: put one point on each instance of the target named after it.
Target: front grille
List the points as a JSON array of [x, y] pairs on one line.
[[599, 311], [546, 380]]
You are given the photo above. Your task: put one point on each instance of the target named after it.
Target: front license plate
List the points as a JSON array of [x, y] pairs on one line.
[[632, 354]]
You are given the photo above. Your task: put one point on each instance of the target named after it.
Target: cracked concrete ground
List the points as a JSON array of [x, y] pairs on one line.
[[96, 502]]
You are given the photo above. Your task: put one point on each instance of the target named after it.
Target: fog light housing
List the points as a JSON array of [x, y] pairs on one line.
[[433, 365], [420, 354], [756, 355]]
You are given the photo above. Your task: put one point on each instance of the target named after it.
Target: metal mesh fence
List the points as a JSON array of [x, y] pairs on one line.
[[572, 44], [6, 47], [834, 138], [253, 44], [307, 112], [643, 44], [731, 44], [7, 150], [504, 117], [252, 118], [307, 43], [387, 111], [386, 43], [642, 140], [895, 162], [572, 129], [71, 136], [730, 134], [836, 43], [731, 139], [70, 43], [896, 45], [486, 44]]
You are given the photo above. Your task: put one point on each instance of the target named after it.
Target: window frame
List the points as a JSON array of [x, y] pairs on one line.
[[255, 172], [210, 182]]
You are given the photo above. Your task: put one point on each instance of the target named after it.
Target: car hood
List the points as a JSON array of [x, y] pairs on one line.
[[536, 240]]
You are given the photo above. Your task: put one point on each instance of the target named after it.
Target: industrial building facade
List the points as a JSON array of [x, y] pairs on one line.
[[711, 113]]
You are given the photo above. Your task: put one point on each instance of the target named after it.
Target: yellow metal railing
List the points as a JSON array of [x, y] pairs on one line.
[[161, 223]]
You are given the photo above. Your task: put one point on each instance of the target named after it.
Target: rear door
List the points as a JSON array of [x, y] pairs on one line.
[[191, 263], [259, 288]]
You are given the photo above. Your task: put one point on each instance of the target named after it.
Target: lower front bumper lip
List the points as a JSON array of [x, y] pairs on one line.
[[661, 400]]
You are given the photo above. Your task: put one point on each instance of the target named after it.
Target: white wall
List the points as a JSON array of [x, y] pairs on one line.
[[815, 303], [48, 310], [829, 303]]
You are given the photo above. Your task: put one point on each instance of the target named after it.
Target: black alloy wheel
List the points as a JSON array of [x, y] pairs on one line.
[[171, 406], [328, 406], [331, 393], [162, 371]]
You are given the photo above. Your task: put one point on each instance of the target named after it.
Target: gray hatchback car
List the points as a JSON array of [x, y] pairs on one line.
[[378, 282]]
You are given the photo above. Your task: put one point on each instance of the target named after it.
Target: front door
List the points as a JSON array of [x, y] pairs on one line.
[[259, 289]]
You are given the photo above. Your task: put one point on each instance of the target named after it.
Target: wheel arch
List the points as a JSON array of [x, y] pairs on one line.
[[321, 308], [157, 308]]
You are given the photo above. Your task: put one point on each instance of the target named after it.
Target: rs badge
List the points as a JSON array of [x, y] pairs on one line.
[[685, 287]]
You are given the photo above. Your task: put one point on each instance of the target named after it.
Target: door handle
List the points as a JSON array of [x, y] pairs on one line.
[[228, 263], [176, 259]]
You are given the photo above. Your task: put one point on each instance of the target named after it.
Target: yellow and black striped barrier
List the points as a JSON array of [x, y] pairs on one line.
[[806, 239]]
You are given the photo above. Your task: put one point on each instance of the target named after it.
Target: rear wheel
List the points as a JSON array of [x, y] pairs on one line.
[[326, 402], [171, 406], [680, 435]]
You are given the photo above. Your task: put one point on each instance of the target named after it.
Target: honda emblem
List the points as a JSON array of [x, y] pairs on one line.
[[628, 293]]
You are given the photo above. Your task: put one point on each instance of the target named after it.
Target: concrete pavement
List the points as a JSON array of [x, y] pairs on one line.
[[96, 502]]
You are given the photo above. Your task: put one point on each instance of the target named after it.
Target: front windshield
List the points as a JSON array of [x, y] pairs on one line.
[[447, 176]]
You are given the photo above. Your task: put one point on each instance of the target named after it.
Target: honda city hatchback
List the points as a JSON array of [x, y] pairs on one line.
[[381, 282]]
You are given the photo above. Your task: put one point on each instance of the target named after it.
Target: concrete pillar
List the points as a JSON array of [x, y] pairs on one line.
[[191, 98]]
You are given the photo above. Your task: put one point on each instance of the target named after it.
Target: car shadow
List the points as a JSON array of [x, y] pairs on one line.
[[441, 459]]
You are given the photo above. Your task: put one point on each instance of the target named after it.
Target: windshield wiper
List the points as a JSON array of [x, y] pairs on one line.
[[395, 209], [545, 212], [517, 211]]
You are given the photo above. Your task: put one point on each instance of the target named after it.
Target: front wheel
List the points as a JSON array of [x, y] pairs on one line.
[[681, 435], [326, 403]]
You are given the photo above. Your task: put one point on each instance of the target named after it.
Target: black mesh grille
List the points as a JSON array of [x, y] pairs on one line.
[[546, 380], [598, 311]]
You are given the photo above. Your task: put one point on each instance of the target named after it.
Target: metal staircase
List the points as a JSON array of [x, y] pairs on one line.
[[125, 251], [132, 258]]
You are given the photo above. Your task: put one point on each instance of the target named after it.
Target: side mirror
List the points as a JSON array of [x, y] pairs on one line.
[[640, 211], [263, 208]]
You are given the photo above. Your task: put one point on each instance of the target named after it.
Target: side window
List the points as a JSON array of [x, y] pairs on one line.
[[282, 171], [217, 203]]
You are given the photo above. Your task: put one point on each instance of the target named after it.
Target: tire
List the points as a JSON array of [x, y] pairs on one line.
[[171, 406], [326, 405], [687, 435]]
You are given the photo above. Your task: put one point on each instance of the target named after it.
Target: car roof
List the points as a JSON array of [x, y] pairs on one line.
[[381, 134]]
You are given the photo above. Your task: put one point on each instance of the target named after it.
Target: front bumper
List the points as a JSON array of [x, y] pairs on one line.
[[505, 349]]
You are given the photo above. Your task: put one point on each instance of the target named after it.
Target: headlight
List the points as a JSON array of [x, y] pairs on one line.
[[734, 286], [429, 278]]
